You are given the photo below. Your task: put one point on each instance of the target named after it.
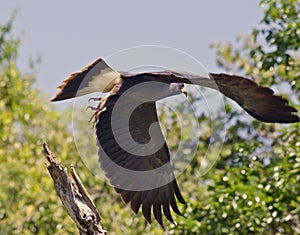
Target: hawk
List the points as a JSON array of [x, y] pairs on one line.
[[130, 141]]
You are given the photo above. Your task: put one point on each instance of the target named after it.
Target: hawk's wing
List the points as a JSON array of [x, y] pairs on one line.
[[142, 174], [259, 102], [96, 77]]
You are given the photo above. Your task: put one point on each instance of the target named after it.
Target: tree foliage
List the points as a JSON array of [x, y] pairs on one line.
[[255, 188], [28, 201]]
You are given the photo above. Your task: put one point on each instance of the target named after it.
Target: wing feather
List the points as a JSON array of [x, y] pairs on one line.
[[96, 77], [259, 102], [136, 202], [156, 199], [146, 209], [157, 213]]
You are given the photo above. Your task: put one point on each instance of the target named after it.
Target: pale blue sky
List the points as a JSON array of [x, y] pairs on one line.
[[70, 34]]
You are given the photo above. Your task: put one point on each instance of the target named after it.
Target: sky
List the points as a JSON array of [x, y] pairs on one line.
[[69, 35]]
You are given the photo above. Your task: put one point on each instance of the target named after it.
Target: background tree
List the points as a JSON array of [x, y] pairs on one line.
[[255, 188], [28, 202]]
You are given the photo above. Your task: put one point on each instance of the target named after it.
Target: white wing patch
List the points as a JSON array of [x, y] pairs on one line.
[[101, 82], [96, 77]]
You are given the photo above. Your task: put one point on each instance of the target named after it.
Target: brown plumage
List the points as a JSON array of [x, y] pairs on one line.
[[258, 101]]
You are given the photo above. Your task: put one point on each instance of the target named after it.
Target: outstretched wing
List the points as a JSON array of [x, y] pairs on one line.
[[140, 169], [259, 102], [96, 77]]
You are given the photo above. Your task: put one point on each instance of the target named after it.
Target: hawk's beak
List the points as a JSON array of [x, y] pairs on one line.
[[183, 91]]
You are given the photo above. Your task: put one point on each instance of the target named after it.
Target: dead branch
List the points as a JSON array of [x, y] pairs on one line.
[[74, 197]]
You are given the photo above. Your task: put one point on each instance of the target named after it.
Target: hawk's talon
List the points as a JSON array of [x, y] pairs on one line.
[[94, 99], [91, 108], [98, 109]]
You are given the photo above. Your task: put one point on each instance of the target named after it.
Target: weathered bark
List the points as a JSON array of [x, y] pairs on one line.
[[74, 197]]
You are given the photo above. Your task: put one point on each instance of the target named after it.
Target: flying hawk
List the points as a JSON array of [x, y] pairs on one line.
[[129, 138]]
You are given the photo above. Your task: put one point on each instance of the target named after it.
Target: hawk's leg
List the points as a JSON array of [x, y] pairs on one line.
[[98, 109]]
